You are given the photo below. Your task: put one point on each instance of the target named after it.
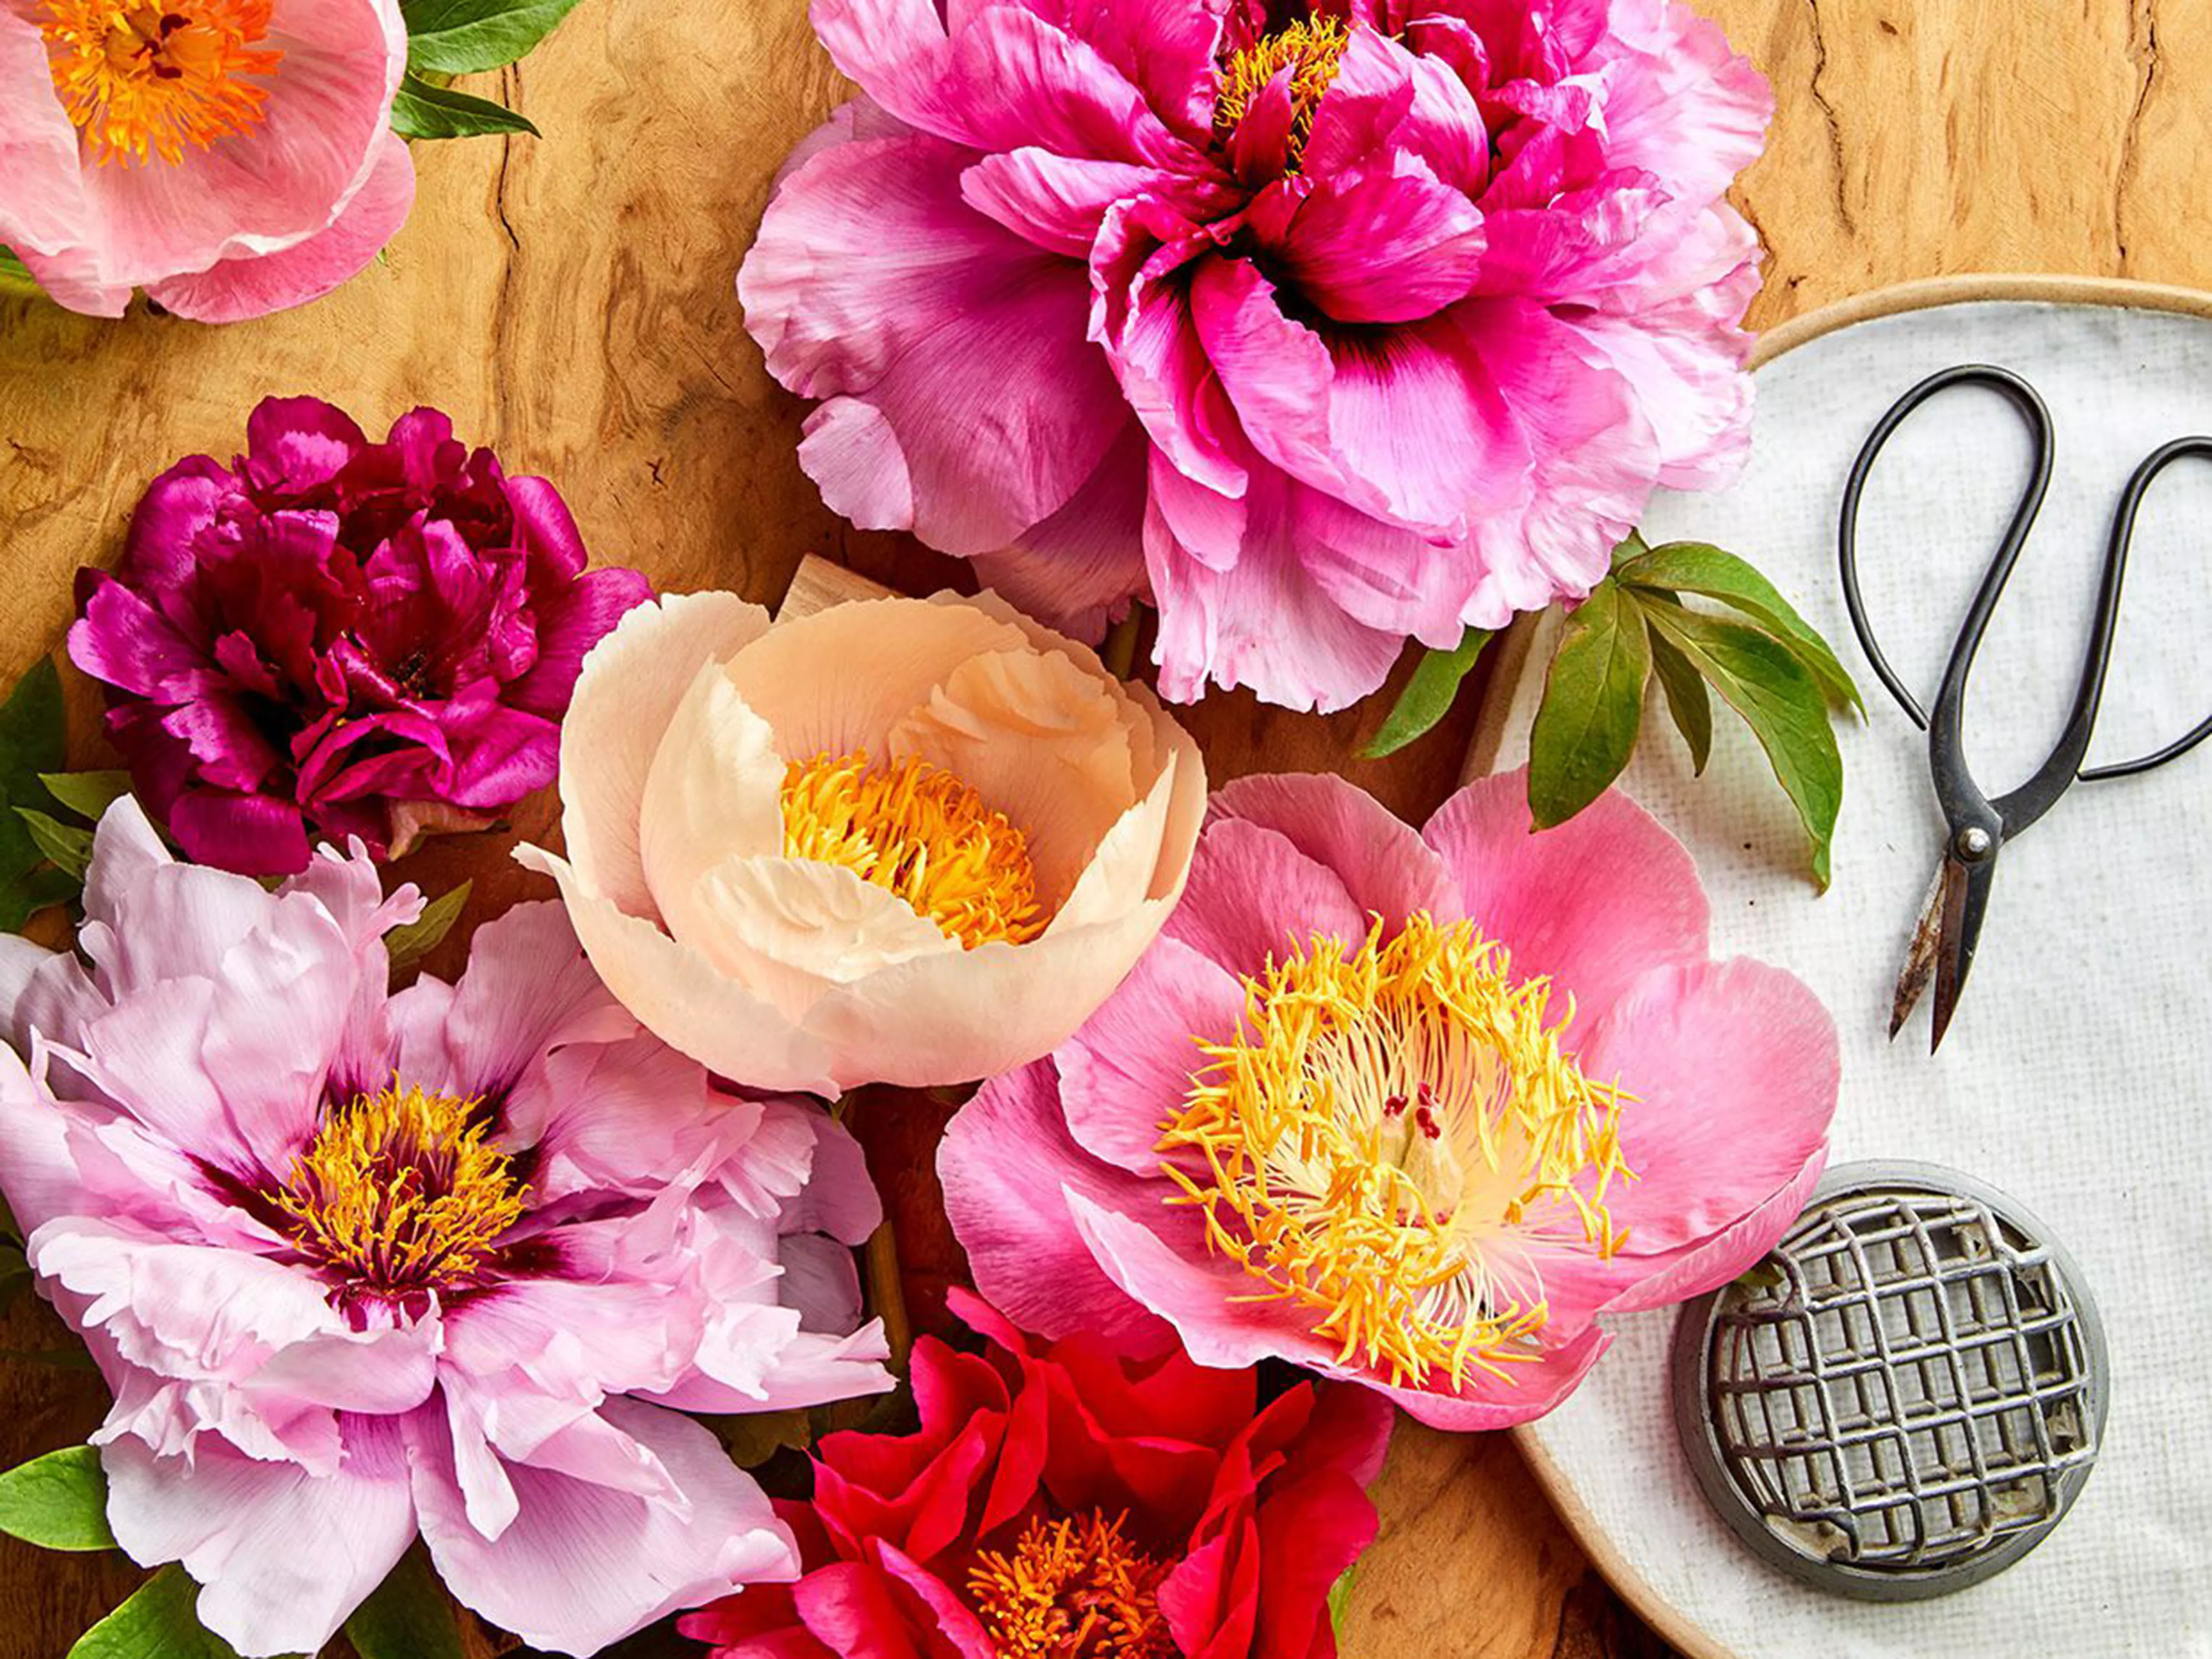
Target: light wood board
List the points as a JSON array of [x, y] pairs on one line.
[[569, 299]]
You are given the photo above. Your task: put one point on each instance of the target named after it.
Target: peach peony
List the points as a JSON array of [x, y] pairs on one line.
[[904, 841]]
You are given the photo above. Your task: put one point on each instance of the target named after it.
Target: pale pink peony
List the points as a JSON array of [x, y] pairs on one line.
[[231, 157], [1413, 1110], [1324, 326], [899, 841], [360, 1267]]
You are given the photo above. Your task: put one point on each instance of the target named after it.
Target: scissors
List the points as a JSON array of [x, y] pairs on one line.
[[1977, 827]]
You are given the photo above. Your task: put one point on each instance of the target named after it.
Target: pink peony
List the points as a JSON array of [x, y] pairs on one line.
[[434, 1263], [339, 638], [1324, 325], [231, 157], [1412, 1110]]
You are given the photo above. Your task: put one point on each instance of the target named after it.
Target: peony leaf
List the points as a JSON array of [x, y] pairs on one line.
[[1593, 706], [1763, 680], [751, 1438], [158, 1622], [31, 741], [1428, 696], [1339, 1598], [15, 278], [88, 794], [419, 110], [409, 945], [58, 1501], [1687, 700], [408, 1616], [466, 37], [1700, 568], [67, 846]]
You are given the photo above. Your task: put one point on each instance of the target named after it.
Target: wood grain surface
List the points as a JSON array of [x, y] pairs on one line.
[[570, 302]]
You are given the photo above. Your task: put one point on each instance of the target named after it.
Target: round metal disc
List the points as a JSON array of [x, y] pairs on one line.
[[1905, 1396]]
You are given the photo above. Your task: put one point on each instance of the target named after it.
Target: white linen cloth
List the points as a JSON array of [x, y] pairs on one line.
[[2078, 1074]]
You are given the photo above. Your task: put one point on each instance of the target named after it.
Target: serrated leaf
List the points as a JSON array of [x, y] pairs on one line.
[[158, 1622], [58, 1501], [88, 794], [1593, 705], [409, 945], [66, 846], [1765, 681], [419, 110], [408, 1616], [1710, 573], [1429, 695], [467, 37], [1687, 701]]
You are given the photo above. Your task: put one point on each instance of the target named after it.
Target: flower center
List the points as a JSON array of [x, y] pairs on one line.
[[917, 830], [1072, 1589], [138, 78], [398, 1194], [1396, 1141], [1312, 51]]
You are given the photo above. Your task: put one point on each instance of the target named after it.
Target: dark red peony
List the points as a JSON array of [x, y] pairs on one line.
[[1064, 1502], [332, 637]]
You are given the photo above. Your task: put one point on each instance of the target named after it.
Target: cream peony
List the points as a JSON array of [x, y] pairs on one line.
[[906, 841]]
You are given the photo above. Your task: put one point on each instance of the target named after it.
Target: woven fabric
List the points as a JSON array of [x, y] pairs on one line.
[[2078, 1075]]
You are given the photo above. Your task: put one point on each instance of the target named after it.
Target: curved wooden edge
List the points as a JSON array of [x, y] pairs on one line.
[[1507, 704]]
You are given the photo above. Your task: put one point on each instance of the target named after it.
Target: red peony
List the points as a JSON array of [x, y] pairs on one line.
[[1064, 1501]]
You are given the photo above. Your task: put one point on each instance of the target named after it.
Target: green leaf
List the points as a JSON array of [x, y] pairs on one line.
[[409, 945], [1698, 568], [65, 846], [31, 739], [1766, 683], [15, 278], [1339, 1598], [158, 1622], [408, 1616], [22, 899], [58, 1501], [751, 1438], [466, 37], [419, 110], [1593, 704], [1428, 695], [1687, 700], [88, 794]]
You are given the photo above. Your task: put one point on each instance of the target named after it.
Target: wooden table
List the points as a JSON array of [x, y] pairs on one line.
[[570, 302]]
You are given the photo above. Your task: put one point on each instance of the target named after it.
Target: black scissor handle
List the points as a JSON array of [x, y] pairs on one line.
[[2123, 531]]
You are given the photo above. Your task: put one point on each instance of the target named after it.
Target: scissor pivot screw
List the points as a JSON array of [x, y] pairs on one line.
[[1975, 844]]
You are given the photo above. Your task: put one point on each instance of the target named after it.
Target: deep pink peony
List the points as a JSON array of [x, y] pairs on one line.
[[1325, 326], [1063, 1501], [1412, 1110], [360, 1265], [231, 157], [332, 637]]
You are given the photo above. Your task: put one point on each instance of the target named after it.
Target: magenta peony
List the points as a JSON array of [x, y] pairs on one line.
[[332, 637], [1323, 325], [1412, 1110], [231, 157], [436, 1263]]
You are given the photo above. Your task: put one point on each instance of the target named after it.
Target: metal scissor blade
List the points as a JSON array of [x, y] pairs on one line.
[[1966, 903], [1920, 956]]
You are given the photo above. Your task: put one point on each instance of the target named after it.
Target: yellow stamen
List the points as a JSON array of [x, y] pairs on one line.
[[919, 830], [1072, 1589], [140, 78], [398, 1194], [1312, 51], [1396, 1140]]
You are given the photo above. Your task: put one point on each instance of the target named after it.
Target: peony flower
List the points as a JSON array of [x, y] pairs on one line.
[[1323, 325], [1062, 1501], [437, 1263], [1412, 1110], [231, 157], [902, 840], [336, 638]]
